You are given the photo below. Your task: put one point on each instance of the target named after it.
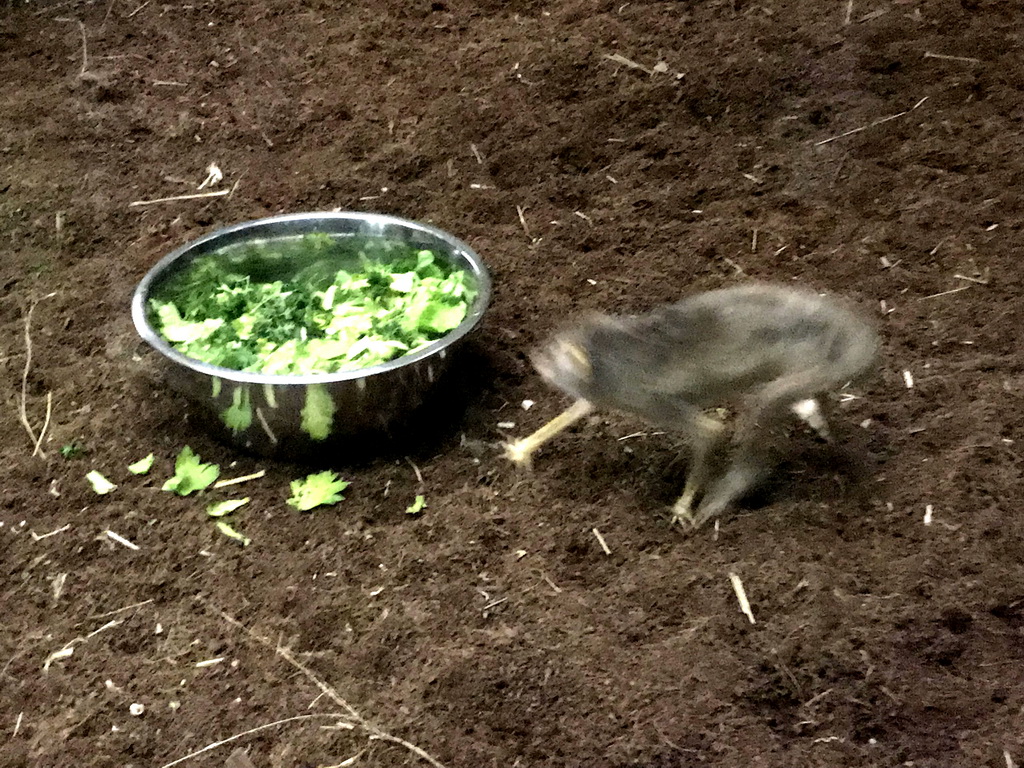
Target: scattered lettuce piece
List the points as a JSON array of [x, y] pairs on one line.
[[231, 533], [99, 483], [222, 508], [320, 488], [190, 474], [417, 506], [142, 466]]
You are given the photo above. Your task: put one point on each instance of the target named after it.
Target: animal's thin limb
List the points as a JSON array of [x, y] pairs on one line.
[[707, 437], [753, 461], [771, 403], [521, 451]]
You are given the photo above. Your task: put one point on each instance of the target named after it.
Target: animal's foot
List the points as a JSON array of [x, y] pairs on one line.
[[682, 511], [521, 453]]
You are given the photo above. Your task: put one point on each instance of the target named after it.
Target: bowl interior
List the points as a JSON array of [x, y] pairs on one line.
[[276, 249]]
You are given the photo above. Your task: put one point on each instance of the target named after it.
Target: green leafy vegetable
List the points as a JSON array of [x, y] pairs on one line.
[[417, 506], [190, 474], [230, 532], [72, 450], [99, 483], [142, 466], [317, 489], [252, 315], [222, 508]]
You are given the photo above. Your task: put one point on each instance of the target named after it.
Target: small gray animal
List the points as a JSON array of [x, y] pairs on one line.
[[765, 350]]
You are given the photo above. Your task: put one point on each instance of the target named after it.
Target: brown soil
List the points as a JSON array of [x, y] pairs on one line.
[[493, 630]]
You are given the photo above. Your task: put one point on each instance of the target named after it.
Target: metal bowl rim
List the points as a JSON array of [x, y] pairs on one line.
[[473, 317]]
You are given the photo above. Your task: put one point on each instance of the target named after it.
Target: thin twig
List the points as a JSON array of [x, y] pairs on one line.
[[601, 541], [373, 730], [23, 407], [419, 475], [741, 595], [946, 57], [242, 479], [251, 731], [871, 125], [522, 219], [945, 293], [175, 198]]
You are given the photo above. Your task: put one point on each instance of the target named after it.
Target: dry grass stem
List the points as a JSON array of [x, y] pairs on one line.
[[175, 198], [849, 13], [121, 540], [945, 57], [741, 595], [946, 293], [522, 220], [871, 125], [976, 280], [601, 541], [41, 536], [37, 440], [375, 733], [242, 479], [250, 732], [17, 725], [628, 63], [419, 475], [476, 154], [121, 610]]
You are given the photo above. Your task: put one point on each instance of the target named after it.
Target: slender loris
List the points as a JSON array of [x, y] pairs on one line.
[[764, 350]]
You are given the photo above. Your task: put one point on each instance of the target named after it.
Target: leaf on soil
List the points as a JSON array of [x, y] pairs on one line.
[[142, 466], [99, 483], [320, 488], [222, 508], [190, 474]]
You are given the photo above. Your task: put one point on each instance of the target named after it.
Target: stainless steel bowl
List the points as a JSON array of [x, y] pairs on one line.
[[299, 416]]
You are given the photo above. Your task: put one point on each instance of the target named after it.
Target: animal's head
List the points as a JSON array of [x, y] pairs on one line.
[[572, 359]]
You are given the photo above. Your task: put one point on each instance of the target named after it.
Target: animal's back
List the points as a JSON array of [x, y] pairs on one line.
[[722, 344]]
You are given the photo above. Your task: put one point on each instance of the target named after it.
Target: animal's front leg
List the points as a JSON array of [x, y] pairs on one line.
[[521, 452]]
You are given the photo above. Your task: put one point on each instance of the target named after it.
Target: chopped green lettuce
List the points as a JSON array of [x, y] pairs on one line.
[[321, 320], [190, 474], [99, 483], [142, 466], [221, 508], [317, 489]]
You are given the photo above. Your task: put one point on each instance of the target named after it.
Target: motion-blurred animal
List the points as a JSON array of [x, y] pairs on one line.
[[763, 350]]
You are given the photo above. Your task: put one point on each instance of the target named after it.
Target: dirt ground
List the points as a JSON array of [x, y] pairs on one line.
[[598, 155]]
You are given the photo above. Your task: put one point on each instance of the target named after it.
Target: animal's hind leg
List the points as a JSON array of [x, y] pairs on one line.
[[753, 462], [708, 438]]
